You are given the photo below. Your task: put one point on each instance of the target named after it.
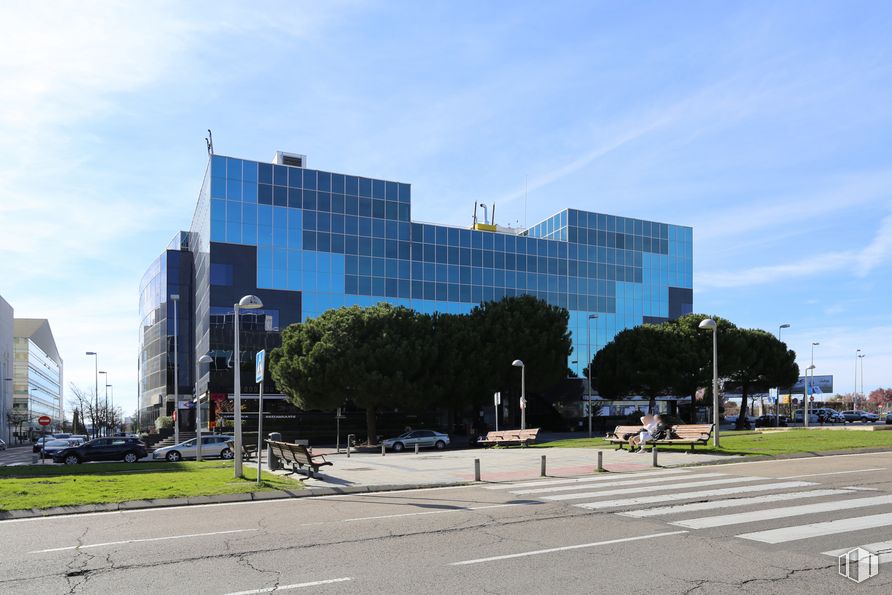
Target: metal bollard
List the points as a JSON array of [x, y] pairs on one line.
[[654, 451], [476, 469], [600, 461], [350, 439], [272, 461], [416, 448], [542, 467], [382, 449]]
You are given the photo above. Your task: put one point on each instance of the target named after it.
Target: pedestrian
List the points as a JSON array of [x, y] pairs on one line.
[[638, 441]]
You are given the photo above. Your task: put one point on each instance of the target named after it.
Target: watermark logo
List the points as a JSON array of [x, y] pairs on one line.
[[859, 564]]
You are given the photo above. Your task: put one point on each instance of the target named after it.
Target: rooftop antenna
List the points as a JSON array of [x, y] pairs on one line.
[[209, 139], [526, 183], [474, 218], [493, 213], [485, 216]]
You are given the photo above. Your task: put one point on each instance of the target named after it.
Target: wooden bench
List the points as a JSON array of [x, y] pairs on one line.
[[509, 437], [248, 450], [298, 455], [687, 434]]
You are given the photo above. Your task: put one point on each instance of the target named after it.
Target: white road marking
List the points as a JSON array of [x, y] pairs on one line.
[[813, 459], [882, 548], [639, 490], [782, 513], [819, 529], [586, 479], [294, 586], [833, 473], [861, 489], [701, 494], [464, 509], [110, 543], [566, 548], [730, 503], [623, 482]]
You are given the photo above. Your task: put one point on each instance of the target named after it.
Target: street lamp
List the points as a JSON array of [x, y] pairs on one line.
[[204, 359], [175, 297], [249, 302], [591, 359], [777, 396], [96, 393], [105, 407], [111, 410], [523, 392], [710, 324], [855, 392], [861, 357], [805, 399]]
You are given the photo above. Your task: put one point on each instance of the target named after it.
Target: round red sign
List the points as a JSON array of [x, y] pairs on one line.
[[44, 420]]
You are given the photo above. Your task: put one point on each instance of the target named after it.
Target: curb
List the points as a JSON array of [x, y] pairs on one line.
[[130, 505], [784, 457]]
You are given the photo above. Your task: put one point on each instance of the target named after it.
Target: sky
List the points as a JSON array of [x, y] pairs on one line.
[[763, 125]]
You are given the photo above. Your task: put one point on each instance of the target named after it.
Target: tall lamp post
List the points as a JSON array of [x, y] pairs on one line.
[[523, 392], [96, 393], [861, 357], [105, 406], [710, 324], [249, 302], [111, 410], [204, 359], [811, 369], [591, 357], [175, 297], [777, 396], [855, 392]]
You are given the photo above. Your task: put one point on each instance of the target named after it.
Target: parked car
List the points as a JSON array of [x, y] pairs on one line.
[[768, 421], [211, 447], [798, 417], [889, 418], [732, 419], [38, 444], [61, 436], [51, 447], [2, 444], [854, 415], [830, 415], [423, 438], [128, 450]]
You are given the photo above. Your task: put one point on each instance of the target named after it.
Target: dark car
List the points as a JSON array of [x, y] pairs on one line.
[[768, 421], [128, 450]]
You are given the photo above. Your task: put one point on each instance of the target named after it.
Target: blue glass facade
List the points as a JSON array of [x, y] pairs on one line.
[[325, 240]]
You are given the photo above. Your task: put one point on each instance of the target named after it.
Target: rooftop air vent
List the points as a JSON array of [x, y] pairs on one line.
[[292, 159]]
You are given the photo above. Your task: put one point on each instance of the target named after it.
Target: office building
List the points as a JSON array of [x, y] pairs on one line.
[[37, 376], [307, 240], [6, 359]]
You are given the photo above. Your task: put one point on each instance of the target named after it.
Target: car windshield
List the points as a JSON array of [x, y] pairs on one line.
[[57, 443]]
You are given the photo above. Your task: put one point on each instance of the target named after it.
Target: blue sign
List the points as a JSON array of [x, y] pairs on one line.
[[258, 373]]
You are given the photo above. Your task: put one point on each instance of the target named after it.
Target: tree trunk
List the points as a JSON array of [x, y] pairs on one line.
[[371, 426], [651, 405], [741, 417]]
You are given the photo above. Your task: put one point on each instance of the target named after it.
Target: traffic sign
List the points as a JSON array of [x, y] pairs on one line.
[[258, 371], [497, 399], [44, 420], [811, 399]]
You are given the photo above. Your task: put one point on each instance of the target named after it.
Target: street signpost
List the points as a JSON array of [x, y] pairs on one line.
[[44, 421], [258, 378], [497, 400]]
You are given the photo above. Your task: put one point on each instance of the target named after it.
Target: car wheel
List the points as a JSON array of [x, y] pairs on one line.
[[440, 445], [397, 447], [173, 456], [226, 453], [72, 460], [130, 457]]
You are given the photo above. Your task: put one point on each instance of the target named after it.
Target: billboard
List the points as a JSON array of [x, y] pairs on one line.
[[817, 385]]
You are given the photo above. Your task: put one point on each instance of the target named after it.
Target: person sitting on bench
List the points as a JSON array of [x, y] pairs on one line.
[[654, 429]]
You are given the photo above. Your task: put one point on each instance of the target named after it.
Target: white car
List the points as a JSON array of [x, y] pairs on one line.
[[211, 447], [423, 438]]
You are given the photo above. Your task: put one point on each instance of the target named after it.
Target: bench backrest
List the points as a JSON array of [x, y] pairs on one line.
[[493, 436], [693, 431], [621, 431], [290, 452], [529, 434]]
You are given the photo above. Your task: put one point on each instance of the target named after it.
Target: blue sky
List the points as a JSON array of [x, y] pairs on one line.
[[763, 125]]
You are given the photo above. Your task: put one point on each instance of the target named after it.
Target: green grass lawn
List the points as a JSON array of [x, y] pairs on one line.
[[774, 443], [37, 486]]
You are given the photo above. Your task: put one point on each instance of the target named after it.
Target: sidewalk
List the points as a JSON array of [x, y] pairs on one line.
[[431, 467]]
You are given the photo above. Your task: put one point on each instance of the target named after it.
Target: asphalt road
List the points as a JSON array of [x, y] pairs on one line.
[[761, 527]]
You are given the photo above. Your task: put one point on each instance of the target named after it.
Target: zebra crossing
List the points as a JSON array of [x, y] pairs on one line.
[[673, 495]]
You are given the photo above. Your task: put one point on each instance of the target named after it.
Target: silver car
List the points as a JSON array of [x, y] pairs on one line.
[[423, 438], [211, 447], [51, 447]]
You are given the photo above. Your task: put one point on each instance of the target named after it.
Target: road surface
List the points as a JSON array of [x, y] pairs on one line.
[[761, 527]]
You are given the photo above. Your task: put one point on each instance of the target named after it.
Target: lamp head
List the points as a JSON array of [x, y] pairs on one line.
[[785, 325], [811, 367], [250, 302], [91, 353], [815, 343], [517, 363], [590, 316], [205, 359], [708, 324], [174, 297]]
